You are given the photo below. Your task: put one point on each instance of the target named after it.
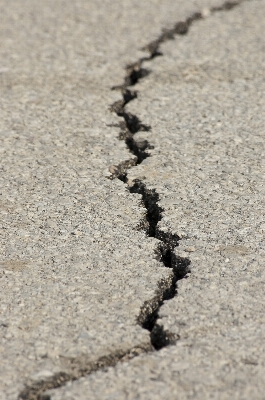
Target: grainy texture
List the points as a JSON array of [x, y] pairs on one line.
[[205, 103], [75, 267]]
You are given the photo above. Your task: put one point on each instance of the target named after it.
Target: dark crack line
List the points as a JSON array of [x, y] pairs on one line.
[[130, 125], [165, 252], [78, 367]]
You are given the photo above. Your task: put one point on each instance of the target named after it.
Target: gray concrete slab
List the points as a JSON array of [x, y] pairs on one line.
[[75, 265], [205, 103]]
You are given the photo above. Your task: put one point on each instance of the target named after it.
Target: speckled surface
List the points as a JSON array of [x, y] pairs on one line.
[[205, 103], [75, 266]]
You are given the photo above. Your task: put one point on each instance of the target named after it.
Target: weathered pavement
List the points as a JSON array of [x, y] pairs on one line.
[[77, 266]]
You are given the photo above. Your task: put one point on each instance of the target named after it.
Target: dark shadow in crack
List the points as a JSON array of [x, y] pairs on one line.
[[77, 368], [165, 253]]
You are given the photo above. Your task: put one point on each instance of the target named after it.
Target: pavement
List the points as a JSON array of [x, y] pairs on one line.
[[150, 286]]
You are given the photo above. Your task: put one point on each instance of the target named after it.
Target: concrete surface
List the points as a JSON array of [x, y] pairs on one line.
[[76, 266], [205, 102]]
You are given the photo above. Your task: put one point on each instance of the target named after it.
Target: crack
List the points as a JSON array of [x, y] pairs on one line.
[[167, 241], [149, 313], [134, 72], [130, 125], [78, 367], [165, 253]]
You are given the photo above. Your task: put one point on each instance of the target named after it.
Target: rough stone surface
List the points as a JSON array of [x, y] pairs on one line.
[[205, 103], [75, 266]]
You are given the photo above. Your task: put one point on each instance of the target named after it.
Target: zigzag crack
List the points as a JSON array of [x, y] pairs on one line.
[[166, 290], [131, 124], [168, 241], [135, 72]]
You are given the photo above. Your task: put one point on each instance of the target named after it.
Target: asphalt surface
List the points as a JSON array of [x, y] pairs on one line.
[[77, 265]]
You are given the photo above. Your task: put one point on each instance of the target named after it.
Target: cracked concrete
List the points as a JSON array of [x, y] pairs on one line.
[[78, 270], [75, 266], [204, 101]]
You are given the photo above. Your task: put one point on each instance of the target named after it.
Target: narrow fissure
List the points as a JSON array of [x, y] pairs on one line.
[[131, 124], [165, 252], [149, 314]]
